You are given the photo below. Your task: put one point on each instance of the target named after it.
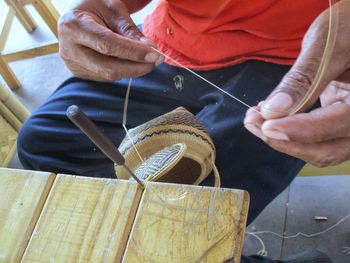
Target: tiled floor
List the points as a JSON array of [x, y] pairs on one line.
[[293, 211]]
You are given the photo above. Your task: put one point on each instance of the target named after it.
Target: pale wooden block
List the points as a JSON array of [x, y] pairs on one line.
[[22, 197], [8, 75], [178, 223], [84, 220], [340, 169], [23, 15], [49, 14]]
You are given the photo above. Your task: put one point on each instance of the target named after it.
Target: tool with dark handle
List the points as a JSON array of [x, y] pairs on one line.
[[79, 118]]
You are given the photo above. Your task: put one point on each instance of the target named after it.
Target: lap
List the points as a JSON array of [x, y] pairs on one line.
[[48, 141]]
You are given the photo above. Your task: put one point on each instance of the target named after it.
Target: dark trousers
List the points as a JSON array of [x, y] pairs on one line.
[[48, 141]]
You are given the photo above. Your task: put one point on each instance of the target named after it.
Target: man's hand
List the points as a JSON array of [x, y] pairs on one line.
[[322, 136], [99, 41]]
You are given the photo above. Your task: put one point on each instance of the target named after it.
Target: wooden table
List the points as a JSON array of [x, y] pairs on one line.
[[62, 218]]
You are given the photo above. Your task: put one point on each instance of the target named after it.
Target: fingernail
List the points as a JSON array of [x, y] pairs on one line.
[[152, 57], [261, 103], [146, 40], [254, 130], [274, 134], [280, 102], [159, 61]]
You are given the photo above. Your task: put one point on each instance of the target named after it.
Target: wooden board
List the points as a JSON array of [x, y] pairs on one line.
[[340, 169], [178, 223], [8, 137], [23, 194], [105, 220], [84, 220], [30, 52]]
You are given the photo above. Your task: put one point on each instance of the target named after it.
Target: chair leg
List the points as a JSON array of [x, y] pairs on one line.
[[8, 75], [22, 15], [49, 13], [13, 104], [6, 28]]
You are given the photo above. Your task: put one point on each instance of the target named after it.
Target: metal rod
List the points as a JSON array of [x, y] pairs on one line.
[[134, 176], [85, 124]]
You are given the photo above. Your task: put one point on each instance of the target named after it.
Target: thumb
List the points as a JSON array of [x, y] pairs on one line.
[[304, 77], [120, 22]]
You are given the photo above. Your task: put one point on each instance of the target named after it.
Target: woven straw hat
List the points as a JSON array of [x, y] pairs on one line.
[[174, 148]]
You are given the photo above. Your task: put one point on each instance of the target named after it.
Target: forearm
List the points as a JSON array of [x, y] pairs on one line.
[[135, 5]]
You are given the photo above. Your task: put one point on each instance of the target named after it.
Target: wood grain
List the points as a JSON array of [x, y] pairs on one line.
[[84, 220], [8, 75], [8, 137], [22, 196], [178, 223], [340, 169], [30, 52], [12, 104], [22, 15], [5, 31], [49, 14]]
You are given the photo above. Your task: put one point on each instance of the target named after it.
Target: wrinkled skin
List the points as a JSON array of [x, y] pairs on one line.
[[99, 41], [322, 136]]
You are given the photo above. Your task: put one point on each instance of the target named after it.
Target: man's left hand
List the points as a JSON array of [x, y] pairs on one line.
[[321, 136]]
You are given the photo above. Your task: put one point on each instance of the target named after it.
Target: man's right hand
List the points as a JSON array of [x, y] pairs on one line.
[[99, 41]]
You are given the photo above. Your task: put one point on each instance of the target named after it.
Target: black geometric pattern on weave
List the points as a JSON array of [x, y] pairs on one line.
[[167, 131], [157, 162], [177, 117]]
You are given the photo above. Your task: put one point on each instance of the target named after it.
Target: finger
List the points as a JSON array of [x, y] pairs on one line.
[[319, 125], [320, 154], [345, 77], [253, 122], [119, 21], [107, 68], [336, 91], [87, 31], [83, 73], [298, 81]]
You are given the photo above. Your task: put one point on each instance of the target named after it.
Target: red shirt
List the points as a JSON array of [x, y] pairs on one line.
[[207, 34]]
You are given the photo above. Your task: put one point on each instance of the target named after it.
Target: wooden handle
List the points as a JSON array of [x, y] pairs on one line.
[[79, 118]]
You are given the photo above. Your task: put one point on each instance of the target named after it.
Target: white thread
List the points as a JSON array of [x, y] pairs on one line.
[[262, 252], [133, 144], [126, 102], [125, 113], [346, 250], [207, 81], [303, 234], [256, 233]]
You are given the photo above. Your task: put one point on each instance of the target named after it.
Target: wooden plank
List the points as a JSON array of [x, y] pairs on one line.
[[178, 223], [49, 14], [13, 104], [340, 169], [8, 75], [8, 137], [23, 15], [10, 117], [6, 28], [22, 196], [30, 52], [84, 220]]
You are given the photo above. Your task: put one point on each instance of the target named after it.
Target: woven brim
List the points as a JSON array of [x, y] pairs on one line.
[[176, 127], [161, 163]]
